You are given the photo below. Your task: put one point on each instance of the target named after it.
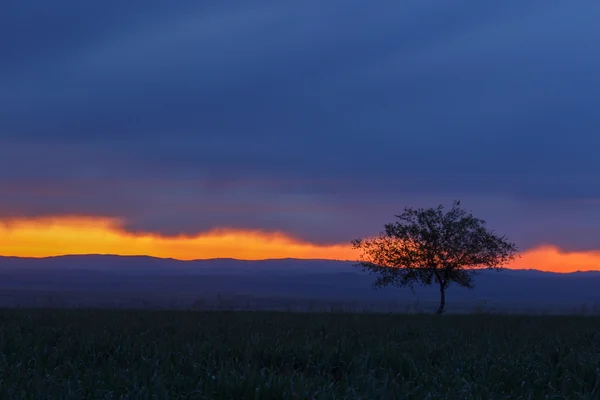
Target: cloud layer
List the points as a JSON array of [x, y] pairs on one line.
[[319, 119]]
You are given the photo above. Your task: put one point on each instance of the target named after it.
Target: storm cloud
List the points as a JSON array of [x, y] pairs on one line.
[[320, 119]]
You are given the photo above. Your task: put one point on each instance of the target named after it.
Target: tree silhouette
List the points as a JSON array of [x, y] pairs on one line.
[[427, 246]]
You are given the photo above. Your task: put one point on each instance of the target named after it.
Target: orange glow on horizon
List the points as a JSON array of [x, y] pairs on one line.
[[552, 259], [55, 236], [76, 235]]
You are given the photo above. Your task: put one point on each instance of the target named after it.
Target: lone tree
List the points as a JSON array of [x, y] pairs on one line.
[[428, 246]]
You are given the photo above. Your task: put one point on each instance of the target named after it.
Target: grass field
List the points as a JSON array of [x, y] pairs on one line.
[[103, 354]]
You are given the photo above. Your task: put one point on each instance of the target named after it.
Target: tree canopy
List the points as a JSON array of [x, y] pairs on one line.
[[427, 246]]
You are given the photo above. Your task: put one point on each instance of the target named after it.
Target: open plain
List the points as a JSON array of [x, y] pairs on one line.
[[125, 354]]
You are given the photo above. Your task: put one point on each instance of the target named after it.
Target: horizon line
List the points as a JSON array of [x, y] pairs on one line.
[[254, 260]]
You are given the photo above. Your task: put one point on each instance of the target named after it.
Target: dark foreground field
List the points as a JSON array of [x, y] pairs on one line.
[[81, 354]]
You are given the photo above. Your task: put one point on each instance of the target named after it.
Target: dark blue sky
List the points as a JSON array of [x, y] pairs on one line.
[[318, 118]]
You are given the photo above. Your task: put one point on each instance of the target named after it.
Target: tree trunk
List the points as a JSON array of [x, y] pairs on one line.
[[442, 300]]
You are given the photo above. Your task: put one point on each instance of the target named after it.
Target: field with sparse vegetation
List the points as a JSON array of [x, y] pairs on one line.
[[109, 354]]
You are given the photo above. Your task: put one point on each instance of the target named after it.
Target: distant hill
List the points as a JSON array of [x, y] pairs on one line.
[[118, 277]]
